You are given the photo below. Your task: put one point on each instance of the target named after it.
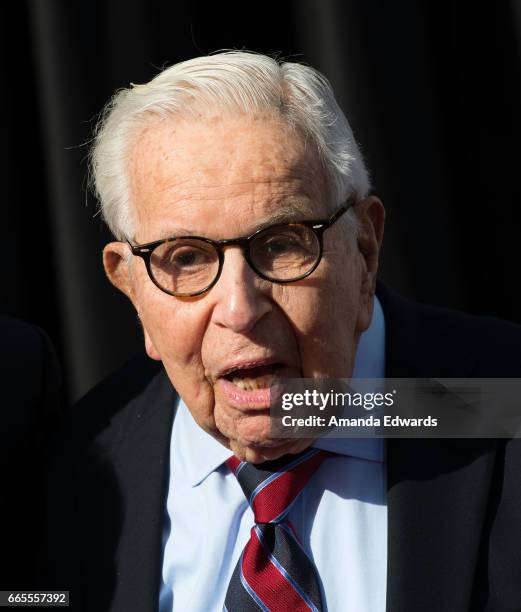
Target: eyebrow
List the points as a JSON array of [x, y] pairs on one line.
[[286, 213]]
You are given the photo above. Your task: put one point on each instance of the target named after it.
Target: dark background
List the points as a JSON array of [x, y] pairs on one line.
[[432, 91]]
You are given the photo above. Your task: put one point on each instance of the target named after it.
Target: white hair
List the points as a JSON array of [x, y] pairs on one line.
[[233, 82]]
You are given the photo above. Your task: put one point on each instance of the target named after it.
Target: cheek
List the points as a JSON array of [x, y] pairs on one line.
[[324, 316], [176, 330], [329, 328]]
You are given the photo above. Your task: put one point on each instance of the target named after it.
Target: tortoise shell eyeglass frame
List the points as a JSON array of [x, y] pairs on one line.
[[317, 226]]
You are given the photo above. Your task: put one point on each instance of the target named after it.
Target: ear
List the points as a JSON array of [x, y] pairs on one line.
[[371, 219], [117, 268], [150, 347]]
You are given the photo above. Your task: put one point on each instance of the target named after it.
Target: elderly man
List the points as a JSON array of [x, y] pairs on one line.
[[248, 243]]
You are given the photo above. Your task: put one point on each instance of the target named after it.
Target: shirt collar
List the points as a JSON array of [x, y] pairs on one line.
[[206, 454]]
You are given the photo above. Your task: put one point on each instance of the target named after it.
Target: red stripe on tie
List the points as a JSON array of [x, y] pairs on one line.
[[233, 463], [272, 588], [278, 494]]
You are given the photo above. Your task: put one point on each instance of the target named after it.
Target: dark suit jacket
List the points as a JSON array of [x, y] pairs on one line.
[[29, 400], [454, 506]]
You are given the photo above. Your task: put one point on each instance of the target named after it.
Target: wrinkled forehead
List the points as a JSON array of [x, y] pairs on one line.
[[243, 170]]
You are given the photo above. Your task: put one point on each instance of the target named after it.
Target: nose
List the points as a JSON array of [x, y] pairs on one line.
[[240, 302]]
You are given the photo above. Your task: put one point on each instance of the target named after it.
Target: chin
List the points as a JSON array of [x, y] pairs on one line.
[[250, 435], [267, 450]]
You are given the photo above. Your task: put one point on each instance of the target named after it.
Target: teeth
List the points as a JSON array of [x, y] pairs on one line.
[[250, 384]]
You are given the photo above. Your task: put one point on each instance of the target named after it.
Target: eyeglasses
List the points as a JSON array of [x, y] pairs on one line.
[[187, 266]]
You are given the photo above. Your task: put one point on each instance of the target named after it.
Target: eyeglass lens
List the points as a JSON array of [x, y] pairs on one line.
[[187, 265]]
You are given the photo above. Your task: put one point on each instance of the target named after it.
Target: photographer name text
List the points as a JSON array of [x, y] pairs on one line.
[[370, 421]]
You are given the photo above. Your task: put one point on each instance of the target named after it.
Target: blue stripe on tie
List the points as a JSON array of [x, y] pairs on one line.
[[281, 569], [250, 591], [239, 467], [287, 529], [287, 468], [284, 513], [295, 540]]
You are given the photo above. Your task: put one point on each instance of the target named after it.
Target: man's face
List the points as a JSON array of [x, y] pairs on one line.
[[223, 178]]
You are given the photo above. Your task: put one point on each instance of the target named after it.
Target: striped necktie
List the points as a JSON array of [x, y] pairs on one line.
[[274, 573]]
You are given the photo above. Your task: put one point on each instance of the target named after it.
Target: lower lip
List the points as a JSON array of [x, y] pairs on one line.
[[257, 399]]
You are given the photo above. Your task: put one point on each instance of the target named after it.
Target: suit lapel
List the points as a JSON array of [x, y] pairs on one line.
[[437, 488], [141, 466], [437, 499]]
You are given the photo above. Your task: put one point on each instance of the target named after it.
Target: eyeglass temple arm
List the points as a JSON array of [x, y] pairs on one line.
[[138, 250], [338, 213]]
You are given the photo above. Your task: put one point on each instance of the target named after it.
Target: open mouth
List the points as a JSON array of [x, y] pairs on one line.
[[254, 378]]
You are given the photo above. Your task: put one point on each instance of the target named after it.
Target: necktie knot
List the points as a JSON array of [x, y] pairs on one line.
[[273, 572], [272, 487]]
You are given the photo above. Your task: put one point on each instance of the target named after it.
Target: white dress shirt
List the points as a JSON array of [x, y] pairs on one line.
[[340, 517]]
